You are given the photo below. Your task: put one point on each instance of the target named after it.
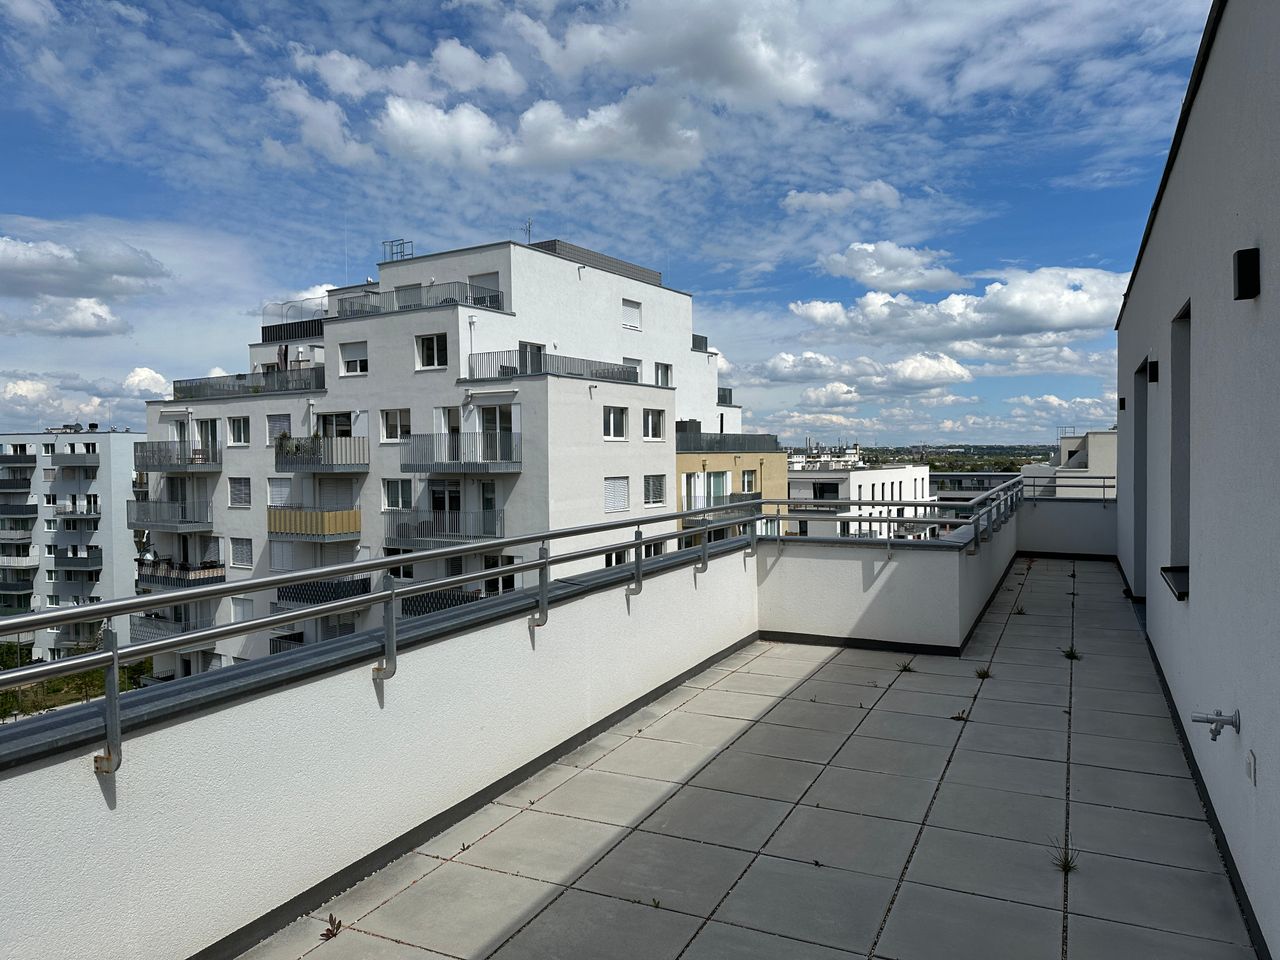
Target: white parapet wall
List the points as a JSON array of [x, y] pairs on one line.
[[1083, 527], [214, 821]]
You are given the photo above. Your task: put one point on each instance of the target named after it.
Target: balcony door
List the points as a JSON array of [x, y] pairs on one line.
[[335, 493], [495, 426], [207, 434], [489, 507], [334, 424], [445, 500], [531, 357]]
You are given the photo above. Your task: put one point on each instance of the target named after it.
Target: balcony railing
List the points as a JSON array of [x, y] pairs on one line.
[[20, 563], [78, 509], [503, 364], [166, 573], [15, 536], [19, 510], [323, 591], [245, 384], [144, 627], [726, 443], [16, 585], [74, 460], [86, 560], [426, 528], [283, 644], [310, 329], [176, 456], [295, 522], [15, 484], [480, 452], [171, 515], [453, 293], [322, 454], [17, 459]]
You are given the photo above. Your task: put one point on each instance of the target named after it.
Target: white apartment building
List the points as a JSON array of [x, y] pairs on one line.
[[464, 395], [818, 481], [1074, 471], [63, 539]]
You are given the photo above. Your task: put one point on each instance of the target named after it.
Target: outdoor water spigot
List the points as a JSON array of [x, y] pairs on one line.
[[1217, 720]]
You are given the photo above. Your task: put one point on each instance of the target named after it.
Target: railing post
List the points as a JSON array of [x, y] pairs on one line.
[[387, 669], [701, 565], [752, 534], [539, 619], [638, 583], [108, 761]]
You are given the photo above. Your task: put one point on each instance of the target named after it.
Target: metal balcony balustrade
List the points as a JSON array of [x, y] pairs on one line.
[[23, 562], [65, 459], [19, 509], [691, 442], [176, 456], [16, 585], [80, 508], [247, 384], [17, 459], [65, 559], [504, 364], [486, 451], [167, 574], [15, 536], [147, 626], [427, 528], [322, 454], [967, 482], [323, 591], [168, 515], [297, 522], [15, 484], [450, 294]]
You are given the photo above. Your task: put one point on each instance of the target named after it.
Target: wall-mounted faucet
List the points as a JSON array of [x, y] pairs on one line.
[[1217, 720]]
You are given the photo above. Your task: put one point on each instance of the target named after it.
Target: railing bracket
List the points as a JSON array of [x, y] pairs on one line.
[[108, 762], [539, 619], [637, 585], [387, 668]]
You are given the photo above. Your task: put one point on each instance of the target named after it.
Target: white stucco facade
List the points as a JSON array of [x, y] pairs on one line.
[[906, 482]]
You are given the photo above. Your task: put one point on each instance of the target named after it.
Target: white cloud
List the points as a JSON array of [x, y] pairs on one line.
[[464, 136], [832, 395], [31, 13], [463, 69], [145, 382], [104, 267], [884, 265], [67, 316], [322, 124], [354, 78], [911, 374], [875, 192]]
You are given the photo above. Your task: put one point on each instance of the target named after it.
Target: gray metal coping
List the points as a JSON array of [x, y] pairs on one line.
[[74, 728]]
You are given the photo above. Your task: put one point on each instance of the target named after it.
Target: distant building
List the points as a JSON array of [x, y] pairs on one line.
[[715, 469], [1074, 470], [908, 482]]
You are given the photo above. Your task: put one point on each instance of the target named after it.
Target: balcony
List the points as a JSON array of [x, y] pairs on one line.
[[167, 575], [80, 508], [90, 559], [176, 456], [248, 384], [504, 364], [171, 516], [15, 484], [425, 529], [17, 459], [294, 522], [452, 294], [19, 510], [16, 536], [726, 443], [322, 454], [16, 585], [323, 591], [480, 452], [144, 627], [29, 562], [74, 460]]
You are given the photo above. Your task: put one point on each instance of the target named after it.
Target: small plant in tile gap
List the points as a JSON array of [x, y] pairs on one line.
[[332, 930], [959, 716], [656, 902], [982, 673], [1071, 653], [904, 666], [1064, 856], [1020, 610]]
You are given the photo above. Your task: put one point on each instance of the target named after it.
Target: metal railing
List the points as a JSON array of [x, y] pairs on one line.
[[297, 522], [423, 528], [17, 459], [323, 591], [78, 509], [16, 585], [451, 293], [65, 559], [503, 364], [15, 484], [20, 563], [144, 627], [175, 456], [726, 443], [165, 514], [15, 536], [166, 573], [244, 384], [65, 459], [488, 451], [19, 509], [322, 454], [1067, 487]]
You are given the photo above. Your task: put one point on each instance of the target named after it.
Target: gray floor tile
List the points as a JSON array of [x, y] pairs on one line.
[[1100, 676], [723, 703], [537, 786], [1029, 673], [1044, 778], [544, 846], [708, 677], [1127, 726], [844, 694], [700, 728], [758, 776], [1118, 701], [1138, 756], [1019, 691], [1153, 895], [760, 683], [1145, 836], [925, 704], [1175, 796], [836, 908], [739, 659], [856, 675], [587, 925], [914, 728], [378, 888], [781, 667], [1010, 713], [998, 813], [592, 750], [681, 875], [937, 683], [358, 945], [802, 651], [929, 923], [988, 866], [921, 760], [468, 831], [461, 910], [875, 794], [656, 759], [850, 841], [878, 659], [607, 797], [942, 666], [1092, 939], [631, 725], [815, 716], [722, 941], [714, 816], [1038, 656], [1015, 741], [288, 944], [789, 743]]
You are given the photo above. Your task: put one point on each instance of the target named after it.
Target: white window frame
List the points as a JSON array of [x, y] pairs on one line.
[[403, 421], [754, 474], [609, 423], [272, 434], [400, 487], [280, 556], [243, 543], [353, 358], [632, 308], [662, 374], [245, 485], [651, 418], [241, 609], [661, 501], [436, 339], [232, 423], [624, 484]]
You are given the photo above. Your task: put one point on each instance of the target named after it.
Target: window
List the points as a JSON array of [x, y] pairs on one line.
[[404, 572], [50, 499], [241, 609], [355, 357], [278, 491], [654, 550], [48, 550], [631, 314], [397, 494], [636, 365], [655, 489], [51, 576], [278, 423], [91, 473], [334, 424], [53, 599], [50, 526], [433, 351], [748, 481], [662, 374], [241, 552], [503, 584], [617, 494], [50, 473], [409, 296], [46, 449], [238, 431], [653, 424], [281, 555], [395, 424], [239, 491], [615, 559], [615, 423]]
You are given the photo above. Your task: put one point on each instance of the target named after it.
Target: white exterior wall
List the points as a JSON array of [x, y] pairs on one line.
[[1218, 649], [906, 482]]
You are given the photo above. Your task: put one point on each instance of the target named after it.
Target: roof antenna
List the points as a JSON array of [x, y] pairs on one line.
[[528, 231]]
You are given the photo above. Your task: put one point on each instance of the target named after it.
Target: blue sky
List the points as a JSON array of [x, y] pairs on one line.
[[903, 222]]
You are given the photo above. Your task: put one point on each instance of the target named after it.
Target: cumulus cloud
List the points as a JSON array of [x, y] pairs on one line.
[[102, 267], [67, 316], [463, 69], [145, 382], [884, 265], [30, 400], [916, 373], [452, 64], [322, 125], [876, 192], [463, 136]]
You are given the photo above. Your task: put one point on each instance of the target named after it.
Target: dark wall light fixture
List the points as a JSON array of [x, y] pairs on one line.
[[1248, 273]]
